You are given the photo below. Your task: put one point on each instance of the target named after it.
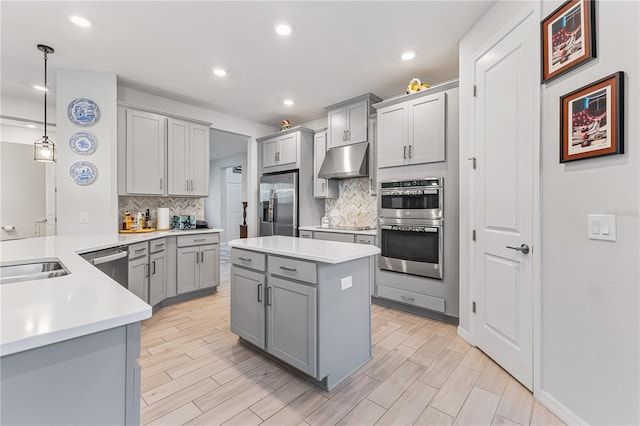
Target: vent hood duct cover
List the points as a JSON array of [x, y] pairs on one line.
[[344, 162]]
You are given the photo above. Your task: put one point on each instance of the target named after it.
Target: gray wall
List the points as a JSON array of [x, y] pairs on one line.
[[590, 297], [590, 324]]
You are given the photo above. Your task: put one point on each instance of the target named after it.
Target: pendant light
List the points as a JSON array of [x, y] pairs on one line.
[[44, 149]]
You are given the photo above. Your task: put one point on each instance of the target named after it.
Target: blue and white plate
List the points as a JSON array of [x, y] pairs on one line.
[[83, 112], [83, 143], [83, 173]]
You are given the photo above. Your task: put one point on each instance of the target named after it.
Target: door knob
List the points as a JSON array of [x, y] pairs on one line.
[[524, 249]]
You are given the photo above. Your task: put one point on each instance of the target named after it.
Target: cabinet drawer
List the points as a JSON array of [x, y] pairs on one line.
[[366, 239], [333, 236], [248, 259], [198, 239], [292, 268], [305, 234], [410, 298], [157, 245], [138, 249]]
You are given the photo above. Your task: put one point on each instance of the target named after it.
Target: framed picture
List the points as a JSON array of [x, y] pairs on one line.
[[568, 38], [591, 120]]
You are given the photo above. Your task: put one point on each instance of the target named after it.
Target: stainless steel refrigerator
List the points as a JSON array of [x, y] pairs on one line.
[[279, 204]]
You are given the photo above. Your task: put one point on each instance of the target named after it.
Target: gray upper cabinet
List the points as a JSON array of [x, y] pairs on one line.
[[348, 121], [145, 153], [280, 151], [413, 131], [160, 155], [188, 159], [322, 188]]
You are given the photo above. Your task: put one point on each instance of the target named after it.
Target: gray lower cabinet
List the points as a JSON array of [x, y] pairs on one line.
[[302, 312], [198, 265], [291, 323], [88, 380], [247, 305], [138, 276], [157, 277]]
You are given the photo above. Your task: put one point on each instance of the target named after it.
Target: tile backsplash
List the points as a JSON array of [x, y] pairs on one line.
[[176, 205], [354, 205]]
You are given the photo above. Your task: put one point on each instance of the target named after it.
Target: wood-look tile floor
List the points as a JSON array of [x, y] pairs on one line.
[[194, 371]]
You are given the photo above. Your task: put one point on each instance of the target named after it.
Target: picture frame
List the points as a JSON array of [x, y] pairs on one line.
[[568, 38], [592, 120]]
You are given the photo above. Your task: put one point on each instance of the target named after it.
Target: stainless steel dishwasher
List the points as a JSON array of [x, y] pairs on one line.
[[112, 261]]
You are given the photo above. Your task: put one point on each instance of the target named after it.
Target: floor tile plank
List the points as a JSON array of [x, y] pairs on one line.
[[387, 393], [516, 403], [479, 408], [454, 392], [410, 405]]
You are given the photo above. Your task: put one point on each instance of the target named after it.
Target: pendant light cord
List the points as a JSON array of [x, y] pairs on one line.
[[46, 89]]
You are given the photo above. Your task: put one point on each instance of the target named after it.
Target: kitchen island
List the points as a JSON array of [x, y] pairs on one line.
[[69, 343], [304, 302]]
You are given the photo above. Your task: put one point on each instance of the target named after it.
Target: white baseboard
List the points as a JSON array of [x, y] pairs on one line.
[[559, 409], [464, 334]]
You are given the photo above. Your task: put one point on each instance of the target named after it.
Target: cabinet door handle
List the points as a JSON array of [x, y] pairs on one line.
[[284, 268], [371, 184], [259, 292], [159, 245], [139, 250], [187, 183], [322, 187], [154, 267], [201, 257], [404, 152], [197, 257], [410, 150], [192, 186], [268, 296], [197, 240], [146, 268], [348, 135], [409, 299], [245, 260]]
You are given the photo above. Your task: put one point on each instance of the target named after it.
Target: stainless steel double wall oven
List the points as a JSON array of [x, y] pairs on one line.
[[411, 226]]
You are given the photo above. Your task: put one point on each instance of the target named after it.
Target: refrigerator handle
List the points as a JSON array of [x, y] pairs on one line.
[[274, 215]]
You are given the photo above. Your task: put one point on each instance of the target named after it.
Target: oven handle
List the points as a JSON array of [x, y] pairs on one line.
[[430, 228], [426, 191]]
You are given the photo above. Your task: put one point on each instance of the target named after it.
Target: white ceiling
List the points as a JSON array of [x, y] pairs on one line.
[[337, 50]]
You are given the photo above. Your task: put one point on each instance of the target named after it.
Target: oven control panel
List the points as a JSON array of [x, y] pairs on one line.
[[409, 184]]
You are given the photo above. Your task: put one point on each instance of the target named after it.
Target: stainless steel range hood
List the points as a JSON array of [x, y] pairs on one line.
[[345, 162]]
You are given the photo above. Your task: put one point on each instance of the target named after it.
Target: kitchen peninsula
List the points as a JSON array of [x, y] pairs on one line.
[[305, 302], [70, 340]]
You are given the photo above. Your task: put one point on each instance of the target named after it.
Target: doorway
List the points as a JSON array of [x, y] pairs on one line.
[[232, 205], [504, 205]]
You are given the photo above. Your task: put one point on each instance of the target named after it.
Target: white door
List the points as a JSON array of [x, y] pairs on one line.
[[233, 203], [506, 83]]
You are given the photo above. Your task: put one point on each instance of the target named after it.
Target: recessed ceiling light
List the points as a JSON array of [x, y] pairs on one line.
[[80, 21], [31, 126], [40, 88], [408, 55], [284, 29], [288, 102], [219, 72]]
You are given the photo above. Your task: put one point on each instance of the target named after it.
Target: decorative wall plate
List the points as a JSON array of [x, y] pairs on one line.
[[83, 143], [83, 112], [83, 173]]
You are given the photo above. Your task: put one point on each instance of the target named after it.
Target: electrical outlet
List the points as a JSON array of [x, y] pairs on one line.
[[84, 217], [346, 282]]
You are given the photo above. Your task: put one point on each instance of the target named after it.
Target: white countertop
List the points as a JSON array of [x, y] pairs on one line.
[[373, 232], [307, 249], [42, 312]]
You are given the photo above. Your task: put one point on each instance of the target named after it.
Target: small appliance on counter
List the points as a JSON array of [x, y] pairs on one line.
[[184, 222], [202, 224]]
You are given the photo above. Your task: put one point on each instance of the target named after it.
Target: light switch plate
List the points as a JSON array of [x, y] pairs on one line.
[[346, 282], [602, 227]]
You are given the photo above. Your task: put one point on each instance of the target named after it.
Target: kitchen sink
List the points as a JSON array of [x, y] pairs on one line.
[[37, 270]]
